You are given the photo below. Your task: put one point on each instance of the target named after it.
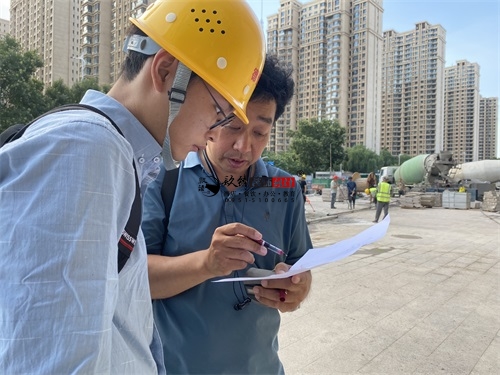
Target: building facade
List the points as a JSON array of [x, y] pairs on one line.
[[52, 29], [4, 27], [413, 64], [488, 120], [461, 111], [334, 47], [76, 39]]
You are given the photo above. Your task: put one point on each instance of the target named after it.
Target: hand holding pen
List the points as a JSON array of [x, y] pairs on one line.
[[233, 247]]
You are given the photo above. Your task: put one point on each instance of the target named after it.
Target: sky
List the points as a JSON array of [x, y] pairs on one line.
[[472, 30]]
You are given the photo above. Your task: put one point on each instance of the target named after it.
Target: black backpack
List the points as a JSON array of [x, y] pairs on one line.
[[168, 188], [129, 236]]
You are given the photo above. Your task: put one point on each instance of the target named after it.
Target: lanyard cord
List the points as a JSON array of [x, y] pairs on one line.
[[211, 168], [241, 303]]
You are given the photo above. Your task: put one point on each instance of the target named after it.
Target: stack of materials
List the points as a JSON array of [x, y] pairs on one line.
[[431, 200], [326, 195], [411, 200], [418, 200], [453, 199], [491, 201]]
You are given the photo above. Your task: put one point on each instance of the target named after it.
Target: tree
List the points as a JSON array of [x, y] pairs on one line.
[[21, 95], [361, 159], [58, 94], [404, 157], [79, 88], [287, 160], [386, 159], [318, 144]]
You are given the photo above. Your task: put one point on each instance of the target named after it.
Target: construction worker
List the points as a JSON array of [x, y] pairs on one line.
[[303, 186], [351, 193], [65, 307], [401, 188], [383, 198], [373, 196], [334, 185]]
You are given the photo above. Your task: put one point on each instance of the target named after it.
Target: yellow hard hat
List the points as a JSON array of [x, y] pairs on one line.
[[219, 40]]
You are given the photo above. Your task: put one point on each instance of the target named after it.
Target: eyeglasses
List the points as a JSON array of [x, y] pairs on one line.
[[227, 119]]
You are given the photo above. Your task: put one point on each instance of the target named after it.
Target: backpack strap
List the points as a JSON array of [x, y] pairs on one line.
[[168, 187], [129, 235]]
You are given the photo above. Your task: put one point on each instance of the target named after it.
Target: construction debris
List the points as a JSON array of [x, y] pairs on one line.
[[491, 201]]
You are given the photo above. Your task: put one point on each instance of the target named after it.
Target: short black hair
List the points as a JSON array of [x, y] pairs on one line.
[[275, 83], [134, 61]]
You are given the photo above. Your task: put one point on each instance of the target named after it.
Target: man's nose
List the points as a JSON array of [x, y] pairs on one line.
[[242, 143]]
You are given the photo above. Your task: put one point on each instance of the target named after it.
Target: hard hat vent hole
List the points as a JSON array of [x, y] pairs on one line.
[[204, 13]]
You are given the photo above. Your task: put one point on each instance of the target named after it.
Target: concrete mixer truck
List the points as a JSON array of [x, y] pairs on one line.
[[482, 170], [427, 169], [440, 171]]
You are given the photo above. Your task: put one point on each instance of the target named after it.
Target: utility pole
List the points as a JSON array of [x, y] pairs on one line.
[[261, 17], [83, 64], [330, 158]]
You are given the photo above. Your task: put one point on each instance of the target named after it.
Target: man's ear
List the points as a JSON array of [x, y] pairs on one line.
[[163, 70]]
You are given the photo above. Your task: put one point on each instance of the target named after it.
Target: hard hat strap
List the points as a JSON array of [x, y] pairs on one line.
[[177, 95], [141, 44]]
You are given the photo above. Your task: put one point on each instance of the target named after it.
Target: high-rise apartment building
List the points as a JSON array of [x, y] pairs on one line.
[[121, 12], [461, 111], [334, 47], [96, 26], [52, 29], [104, 24], [413, 65], [4, 27], [75, 38], [488, 120]]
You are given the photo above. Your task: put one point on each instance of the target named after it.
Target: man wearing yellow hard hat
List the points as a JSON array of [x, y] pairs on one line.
[[72, 179]]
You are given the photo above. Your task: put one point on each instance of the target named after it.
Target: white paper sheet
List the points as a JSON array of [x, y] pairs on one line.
[[322, 255]]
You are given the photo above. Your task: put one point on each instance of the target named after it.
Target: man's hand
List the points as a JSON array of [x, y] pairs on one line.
[[293, 290], [231, 249]]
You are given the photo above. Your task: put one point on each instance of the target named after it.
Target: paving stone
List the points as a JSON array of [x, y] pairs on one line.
[[422, 300]]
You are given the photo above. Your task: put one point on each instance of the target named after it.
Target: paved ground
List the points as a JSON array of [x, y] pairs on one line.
[[423, 300]]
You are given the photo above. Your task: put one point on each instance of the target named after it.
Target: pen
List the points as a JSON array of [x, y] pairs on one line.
[[270, 247]]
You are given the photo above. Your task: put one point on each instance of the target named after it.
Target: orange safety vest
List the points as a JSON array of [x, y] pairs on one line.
[[384, 192]]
